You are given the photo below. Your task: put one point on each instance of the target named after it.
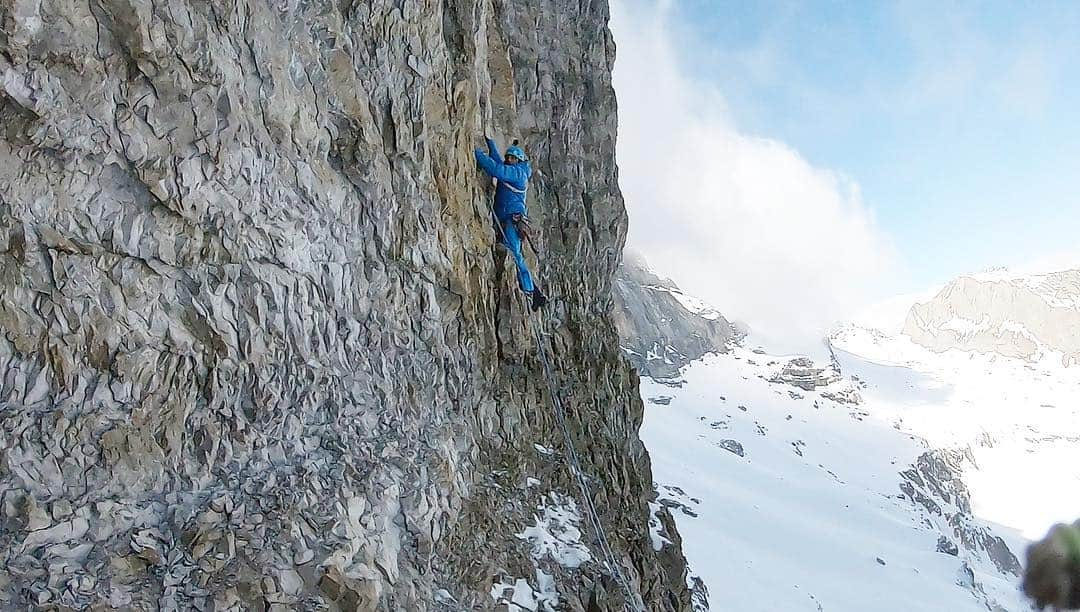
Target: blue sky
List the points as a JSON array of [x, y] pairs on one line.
[[957, 121]]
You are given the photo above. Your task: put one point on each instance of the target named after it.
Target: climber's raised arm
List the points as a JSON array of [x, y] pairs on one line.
[[491, 160], [514, 173]]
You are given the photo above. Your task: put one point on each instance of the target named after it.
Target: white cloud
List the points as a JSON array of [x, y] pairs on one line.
[[1051, 261], [745, 223]]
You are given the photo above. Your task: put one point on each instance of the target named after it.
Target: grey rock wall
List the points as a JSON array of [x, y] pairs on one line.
[[257, 347]]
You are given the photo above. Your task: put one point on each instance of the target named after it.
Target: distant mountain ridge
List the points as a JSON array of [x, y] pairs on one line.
[[661, 328], [1025, 317]]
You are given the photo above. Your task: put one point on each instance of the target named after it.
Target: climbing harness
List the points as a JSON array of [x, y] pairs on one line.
[[524, 229], [632, 601]]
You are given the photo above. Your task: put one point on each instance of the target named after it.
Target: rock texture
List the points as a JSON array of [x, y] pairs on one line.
[[662, 329], [257, 347], [801, 372], [1026, 317], [935, 483]]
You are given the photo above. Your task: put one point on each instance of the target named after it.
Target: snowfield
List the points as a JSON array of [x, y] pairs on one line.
[[1020, 420], [902, 466], [787, 500]]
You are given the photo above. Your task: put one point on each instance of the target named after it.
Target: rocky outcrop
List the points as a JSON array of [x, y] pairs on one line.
[[1020, 317], [258, 348], [935, 483], [801, 372], [662, 329]]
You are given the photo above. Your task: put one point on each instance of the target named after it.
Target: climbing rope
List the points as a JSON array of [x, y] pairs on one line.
[[632, 602]]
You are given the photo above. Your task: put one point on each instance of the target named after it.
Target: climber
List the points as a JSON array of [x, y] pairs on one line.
[[512, 175]]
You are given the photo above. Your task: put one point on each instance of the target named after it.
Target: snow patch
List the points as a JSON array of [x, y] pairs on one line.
[[689, 303], [556, 533], [656, 528], [966, 327], [518, 594], [543, 450]]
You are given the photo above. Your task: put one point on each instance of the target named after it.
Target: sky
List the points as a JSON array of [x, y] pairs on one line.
[[792, 162]]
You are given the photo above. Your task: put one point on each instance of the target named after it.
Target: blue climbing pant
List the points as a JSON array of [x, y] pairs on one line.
[[512, 240]]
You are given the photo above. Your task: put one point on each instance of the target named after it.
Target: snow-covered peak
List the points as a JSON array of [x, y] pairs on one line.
[[1027, 317]]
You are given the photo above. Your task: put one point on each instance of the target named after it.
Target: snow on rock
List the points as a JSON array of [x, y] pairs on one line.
[[1019, 421], [656, 527], [556, 534], [518, 594], [662, 329]]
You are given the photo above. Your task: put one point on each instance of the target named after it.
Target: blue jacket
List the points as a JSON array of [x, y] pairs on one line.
[[513, 181]]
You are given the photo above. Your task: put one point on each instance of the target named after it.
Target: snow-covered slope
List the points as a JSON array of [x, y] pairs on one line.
[[791, 500], [1033, 317], [1020, 420], [903, 475]]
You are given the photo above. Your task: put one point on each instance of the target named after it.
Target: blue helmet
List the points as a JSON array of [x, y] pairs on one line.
[[517, 152]]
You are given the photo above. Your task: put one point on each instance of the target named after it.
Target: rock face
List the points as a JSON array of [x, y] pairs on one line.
[[1020, 317], [801, 372], [259, 350], [662, 329], [935, 482]]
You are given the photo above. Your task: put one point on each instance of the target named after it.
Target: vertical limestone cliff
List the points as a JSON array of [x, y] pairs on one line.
[[258, 348]]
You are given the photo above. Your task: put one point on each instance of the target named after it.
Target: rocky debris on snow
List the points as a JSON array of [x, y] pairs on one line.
[[732, 446], [802, 373], [843, 396], [947, 546], [673, 497]]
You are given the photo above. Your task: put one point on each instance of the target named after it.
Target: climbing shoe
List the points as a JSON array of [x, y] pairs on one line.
[[538, 299]]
